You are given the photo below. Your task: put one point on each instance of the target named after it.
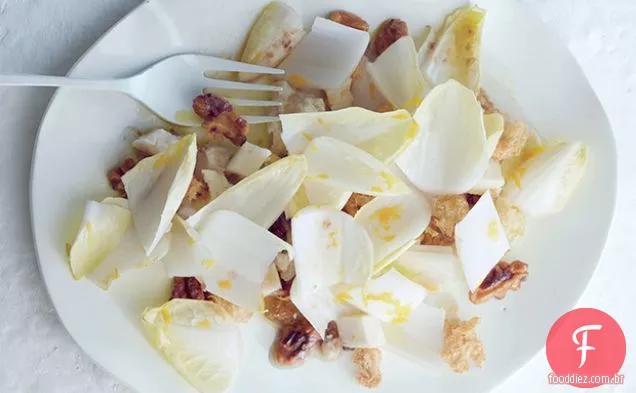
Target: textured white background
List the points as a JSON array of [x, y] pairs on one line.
[[47, 36]]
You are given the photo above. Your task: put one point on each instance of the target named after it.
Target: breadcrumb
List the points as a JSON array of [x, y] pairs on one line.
[[512, 219], [367, 362], [448, 210], [485, 102], [512, 140], [197, 191], [355, 203], [461, 344], [433, 236]]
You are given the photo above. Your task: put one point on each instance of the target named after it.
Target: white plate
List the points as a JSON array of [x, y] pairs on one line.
[[84, 133]]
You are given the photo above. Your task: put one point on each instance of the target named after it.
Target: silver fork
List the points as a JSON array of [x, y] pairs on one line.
[[169, 86]]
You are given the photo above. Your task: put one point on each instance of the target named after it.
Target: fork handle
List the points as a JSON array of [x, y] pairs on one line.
[[120, 85]]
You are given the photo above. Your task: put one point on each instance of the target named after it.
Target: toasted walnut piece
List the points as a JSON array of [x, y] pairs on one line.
[[355, 203], [512, 219], [512, 140], [461, 344], [472, 199], [502, 278], [448, 210], [294, 342], [280, 309], [198, 190], [219, 118], [282, 228], [367, 362], [191, 288], [485, 102], [331, 346], [349, 19], [115, 174], [389, 31], [433, 236]]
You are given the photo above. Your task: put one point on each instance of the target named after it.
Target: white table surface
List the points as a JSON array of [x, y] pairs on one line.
[[47, 36]]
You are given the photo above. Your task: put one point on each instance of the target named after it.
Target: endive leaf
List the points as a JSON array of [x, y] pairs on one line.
[[327, 56], [262, 196], [392, 222], [455, 54], [207, 356], [543, 184], [360, 331], [383, 135], [451, 152], [397, 75], [156, 186], [274, 34], [346, 167]]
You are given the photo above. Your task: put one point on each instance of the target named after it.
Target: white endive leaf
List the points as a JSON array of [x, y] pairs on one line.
[[331, 248], [155, 142], [480, 241], [397, 75], [430, 266], [239, 254], [450, 154], [543, 184], [390, 297], [207, 357], [392, 222], [455, 54], [494, 124], [327, 56], [364, 91], [101, 231], [383, 135], [421, 338], [274, 34], [248, 159], [491, 180], [344, 166], [185, 255], [216, 181], [324, 195], [156, 186], [360, 331], [262, 196]]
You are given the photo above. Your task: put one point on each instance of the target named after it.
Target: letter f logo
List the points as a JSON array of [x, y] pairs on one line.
[[583, 344]]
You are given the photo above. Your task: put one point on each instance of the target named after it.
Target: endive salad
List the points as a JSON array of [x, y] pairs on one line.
[[374, 216]]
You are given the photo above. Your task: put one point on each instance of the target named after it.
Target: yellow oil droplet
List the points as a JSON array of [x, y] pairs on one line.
[[204, 324], [517, 175], [190, 241], [388, 238], [401, 116], [376, 189], [68, 249], [322, 176], [333, 239], [208, 263], [412, 131], [387, 215], [225, 284], [493, 230], [307, 136], [297, 81], [372, 90], [165, 313], [343, 297], [400, 313], [390, 179], [413, 103], [187, 116], [313, 148]]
